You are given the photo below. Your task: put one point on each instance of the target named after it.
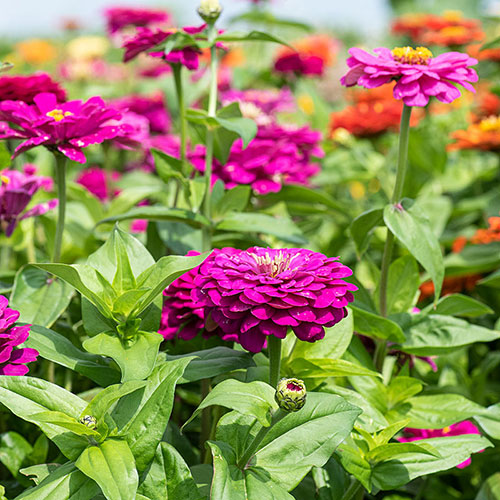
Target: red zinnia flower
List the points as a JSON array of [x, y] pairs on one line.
[[25, 88]]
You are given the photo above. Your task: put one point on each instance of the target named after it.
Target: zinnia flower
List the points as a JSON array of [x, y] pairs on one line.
[[96, 181], [36, 51], [118, 18], [484, 135], [16, 191], [451, 284], [459, 429], [13, 361], [26, 87], [312, 55], [419, 75], [66, 127], [259, 292]]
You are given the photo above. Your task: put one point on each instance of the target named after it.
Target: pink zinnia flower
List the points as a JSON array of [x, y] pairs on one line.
[[66, 127], [133, 130], [13, 361], [96, 181], [26, 87], [120, 17], [418, 74], [259, 292], [459, 429], [151, 107], [16, 191], [146, 39]]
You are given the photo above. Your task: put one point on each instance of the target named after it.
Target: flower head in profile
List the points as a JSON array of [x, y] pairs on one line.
[[484, 136], [311, 57], [418, 74], [459, 429], [259, 292], [13, 360], [26, 87], [66, 127], [95, 181], [16, 191], [118, 18]]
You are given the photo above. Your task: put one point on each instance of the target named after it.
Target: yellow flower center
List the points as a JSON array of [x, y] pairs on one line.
[[490, 124], [453, 15], [4, 180], [446, 430], [409, 55], [274, 265], [59, 114], [454, 31]]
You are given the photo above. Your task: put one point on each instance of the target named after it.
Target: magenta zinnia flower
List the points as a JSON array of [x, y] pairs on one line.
[[259, 292], [459, 429], [418, 74], [96, 181], [16, 191], [120, 17], [66, 127], [13, 361], [26, 87]]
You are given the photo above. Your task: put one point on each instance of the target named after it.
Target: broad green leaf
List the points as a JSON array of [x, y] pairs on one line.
[[212, 362], [392, 451], [253, 36], [323, 368], [400, 389], [231, 483], [473, 259], [167, 166], [63, 420], [39, 298], [456, 304], [111, 465], [65, 482], [244, 127], [149, 408], [352, 460], [14, 449], [242, 222], [452, 451], [168, 477], [234, 200], [362, 228], [490, 489], [436, 334], [492, 280], [255, 398], [38, 473], [305, 439], [489, 420], [59, 349], [136, 358], [375, 326], [410, 225]]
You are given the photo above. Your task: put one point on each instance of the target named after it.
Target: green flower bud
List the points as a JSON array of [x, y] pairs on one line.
[[89, 421], [291, 394], [209, 10]]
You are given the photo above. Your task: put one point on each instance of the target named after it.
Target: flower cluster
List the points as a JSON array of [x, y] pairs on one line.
[[118, 18], [26, 87], [459, 429], [66, 127], [310, 56], [259, 292], [16, 191], [418, 74], [13, 360]]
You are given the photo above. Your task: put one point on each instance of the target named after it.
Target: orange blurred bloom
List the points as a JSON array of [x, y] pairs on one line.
[[36, 51], [452, 284], [234, 58], [484, 135], [451, 36], [487, 103], [483, 55], [485, 236]]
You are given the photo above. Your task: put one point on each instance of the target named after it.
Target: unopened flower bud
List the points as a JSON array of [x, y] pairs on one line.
[[291, 394], [89, 421], [209, 10]]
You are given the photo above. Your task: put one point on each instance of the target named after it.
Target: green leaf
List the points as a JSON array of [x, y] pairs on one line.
[[305, 439], [324, 368], [38, 473], [452, 451], [5, 160], [39, 298], [234, 200], [136, 357], [392, 451], [362, 228], [492, 44], [410, 225], [167, 166], [268, 18], [375, 326], [456, 304], [492, 280], [253, 36], [65, 482], [489, 420], [473, 259], [242, 222], [168, 477], [111, 465], [427, 335], [14, 449], [59, 349], [244, 127], [255, 398], [231, 483], [63, 420], [490, 489], [160, 214], [149, 408]]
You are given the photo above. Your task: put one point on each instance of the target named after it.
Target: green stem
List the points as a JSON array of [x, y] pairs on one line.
[[404, 134], [206, 419], [177, 70], [61, 194], [274, 350], [353, 492], [254, 445]]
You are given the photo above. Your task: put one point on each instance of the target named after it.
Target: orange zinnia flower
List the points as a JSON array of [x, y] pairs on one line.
[[451, 284], [36, 51], [483, 55], [484, 135]]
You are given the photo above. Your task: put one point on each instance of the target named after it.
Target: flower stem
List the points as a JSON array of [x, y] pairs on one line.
[[206, 418], [354, 492], [404, 134], [274, 349], [61, 194], [177, 70], [254, 445]]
